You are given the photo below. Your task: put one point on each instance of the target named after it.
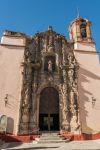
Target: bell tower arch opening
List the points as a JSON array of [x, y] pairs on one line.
[[49, 110]]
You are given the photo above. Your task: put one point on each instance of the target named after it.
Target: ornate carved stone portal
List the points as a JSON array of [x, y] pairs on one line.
[[49, 63]]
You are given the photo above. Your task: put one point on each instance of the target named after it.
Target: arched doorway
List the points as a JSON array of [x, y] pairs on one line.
[[49, 109]]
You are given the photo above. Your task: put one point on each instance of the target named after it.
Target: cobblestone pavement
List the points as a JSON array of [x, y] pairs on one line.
[[74, 145]]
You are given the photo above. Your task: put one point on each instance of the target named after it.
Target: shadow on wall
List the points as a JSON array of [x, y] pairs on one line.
[[12, 102], [84, 97], [10, 125]]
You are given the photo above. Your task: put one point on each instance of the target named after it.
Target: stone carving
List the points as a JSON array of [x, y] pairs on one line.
[[50, 41], [47, 44], [50, 66], [70, 76], [26, 93], [65, 123], [35, 65], [74, 124]]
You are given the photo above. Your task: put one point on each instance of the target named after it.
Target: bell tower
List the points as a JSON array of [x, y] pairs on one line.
[[88, 73], [80, 33]]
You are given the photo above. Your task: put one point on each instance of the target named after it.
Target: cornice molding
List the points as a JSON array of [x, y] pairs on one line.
[[17, 46], [87, 52]]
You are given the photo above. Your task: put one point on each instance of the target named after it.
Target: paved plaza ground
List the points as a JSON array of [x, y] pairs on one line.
[[73, 145]]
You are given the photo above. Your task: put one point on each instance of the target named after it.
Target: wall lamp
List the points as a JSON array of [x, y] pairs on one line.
[[93, 101], [6, 99]]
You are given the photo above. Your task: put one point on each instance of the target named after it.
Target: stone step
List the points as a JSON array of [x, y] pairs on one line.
[[51, 138], [50, 135], [52, 141]]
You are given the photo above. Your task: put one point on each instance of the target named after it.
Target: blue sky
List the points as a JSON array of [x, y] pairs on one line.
[[30, 16]]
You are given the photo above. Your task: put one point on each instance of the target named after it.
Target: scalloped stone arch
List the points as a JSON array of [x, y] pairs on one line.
[[48, 85]]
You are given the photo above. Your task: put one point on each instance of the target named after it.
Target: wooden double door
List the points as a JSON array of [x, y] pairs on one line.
[[49, 110], [49, 122]]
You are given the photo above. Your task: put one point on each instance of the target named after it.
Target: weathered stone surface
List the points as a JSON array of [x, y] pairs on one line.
[[61, 71]]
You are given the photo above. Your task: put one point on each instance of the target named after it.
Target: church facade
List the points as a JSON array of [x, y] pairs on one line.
[[49, 83]]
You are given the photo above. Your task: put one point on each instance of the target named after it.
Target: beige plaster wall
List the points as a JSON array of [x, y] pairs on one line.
[[89, 89], [85, 46], [13, 40], [10, 83]]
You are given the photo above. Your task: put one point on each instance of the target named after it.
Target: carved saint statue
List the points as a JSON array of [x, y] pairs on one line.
[[50, 65]]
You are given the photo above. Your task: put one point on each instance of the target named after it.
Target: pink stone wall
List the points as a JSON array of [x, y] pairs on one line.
[[89, 91], [10, 83]]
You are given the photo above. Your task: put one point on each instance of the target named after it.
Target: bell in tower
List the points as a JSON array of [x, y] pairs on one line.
[[83, 30]]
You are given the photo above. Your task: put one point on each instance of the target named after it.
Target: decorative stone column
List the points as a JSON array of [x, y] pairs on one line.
[[89, 37], [73, 93], [33, 125], [78, 31], [64, 112], [65, 123], [25, 105], [74, 120]]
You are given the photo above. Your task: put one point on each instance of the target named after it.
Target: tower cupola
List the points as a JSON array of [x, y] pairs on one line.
[[80, 30], [80, 33]]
